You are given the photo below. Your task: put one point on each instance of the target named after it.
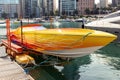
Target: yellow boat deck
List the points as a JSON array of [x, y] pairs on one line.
[[10, 70]]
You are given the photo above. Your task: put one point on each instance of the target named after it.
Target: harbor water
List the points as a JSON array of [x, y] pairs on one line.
[[103, 64]]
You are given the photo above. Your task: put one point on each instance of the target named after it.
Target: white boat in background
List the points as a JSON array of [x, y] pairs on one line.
[[25, 21], [114, 14], [79, 20], [110, 23], [2, 23]]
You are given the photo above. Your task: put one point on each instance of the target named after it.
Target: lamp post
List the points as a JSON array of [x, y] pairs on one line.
[[60, 7], [68, 9]]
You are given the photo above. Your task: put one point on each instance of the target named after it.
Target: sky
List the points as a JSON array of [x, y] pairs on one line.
[[97, 1]]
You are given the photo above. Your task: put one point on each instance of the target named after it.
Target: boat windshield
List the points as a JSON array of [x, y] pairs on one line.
[[39, 27], [34, 28], [62, 25], [116, 22]]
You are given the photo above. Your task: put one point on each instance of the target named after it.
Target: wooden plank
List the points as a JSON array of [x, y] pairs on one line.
[[10, 70]]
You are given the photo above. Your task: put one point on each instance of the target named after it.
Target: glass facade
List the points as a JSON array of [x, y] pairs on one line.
[[67, 7], [9, 1]]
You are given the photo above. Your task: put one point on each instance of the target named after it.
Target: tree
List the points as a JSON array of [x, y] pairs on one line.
[[4, 15], [96, 11], [87, 11], [63, 12], [118, 7], [16, 15], [51, 13], [56, 12], [75, 12]]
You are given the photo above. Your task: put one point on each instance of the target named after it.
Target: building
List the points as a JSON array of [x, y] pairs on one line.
[[25, 8], [42, 4], [85, 4], [103, 3], [98, 5], [30, 8], [118, 3], [34, 8], [47, 7], [67, 7], [10, 9], [115, 3], [51, 7]]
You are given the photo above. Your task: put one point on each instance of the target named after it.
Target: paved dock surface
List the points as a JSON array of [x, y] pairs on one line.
[[10, 70]]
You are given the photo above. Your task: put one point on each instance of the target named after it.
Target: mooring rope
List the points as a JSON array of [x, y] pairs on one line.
[[36, 65], [81, 39]]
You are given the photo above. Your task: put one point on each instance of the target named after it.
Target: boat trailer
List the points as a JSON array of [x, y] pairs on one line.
[[17, 53]]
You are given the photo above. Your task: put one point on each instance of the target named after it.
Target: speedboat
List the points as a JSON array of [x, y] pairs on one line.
[[60, 42], [109, 23]]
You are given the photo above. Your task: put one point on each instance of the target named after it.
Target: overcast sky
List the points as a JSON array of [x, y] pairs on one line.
[[97, 1]]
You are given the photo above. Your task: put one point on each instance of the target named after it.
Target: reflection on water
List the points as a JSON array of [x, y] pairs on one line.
[[112, 50], [101, 65], [104, 64], [46, 73], [71, 70], [112, 54]]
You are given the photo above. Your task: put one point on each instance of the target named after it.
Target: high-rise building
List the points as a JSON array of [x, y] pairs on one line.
[[51, 7], [9, 8], [47, 7], [115, 3], [103, 3], [25, 7], [29, 8], [118, 2], [44, 7], [27, 11], [34, 8], [67, 7], [42, 4], [85, 4]]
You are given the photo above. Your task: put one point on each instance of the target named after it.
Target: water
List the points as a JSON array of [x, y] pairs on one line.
[[104, 64]]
